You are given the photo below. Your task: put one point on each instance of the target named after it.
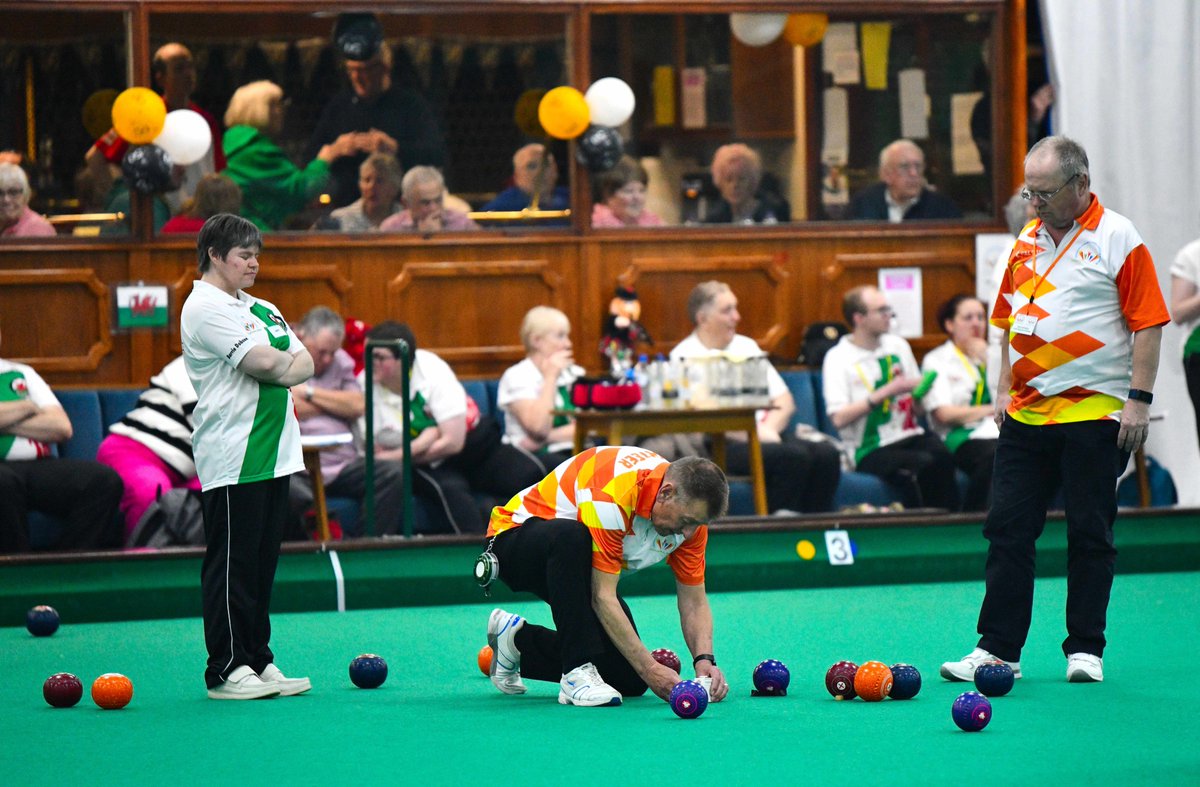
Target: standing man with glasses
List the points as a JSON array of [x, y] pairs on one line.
[[902, 193], [1082, 313], [868, 380]]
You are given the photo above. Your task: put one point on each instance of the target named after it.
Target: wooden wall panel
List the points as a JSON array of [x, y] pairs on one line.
[[465, 301]]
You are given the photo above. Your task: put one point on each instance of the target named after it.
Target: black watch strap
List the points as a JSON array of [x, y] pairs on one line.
[[705, 657], [1138, 395]]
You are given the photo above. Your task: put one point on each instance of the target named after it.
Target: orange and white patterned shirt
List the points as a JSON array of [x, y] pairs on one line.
[[1088, 296], [611, 490]]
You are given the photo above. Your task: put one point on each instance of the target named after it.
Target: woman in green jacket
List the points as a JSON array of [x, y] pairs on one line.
[[273, 188]]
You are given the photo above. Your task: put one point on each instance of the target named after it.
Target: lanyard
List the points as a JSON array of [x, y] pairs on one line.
[[974, 371], [1037, 282]]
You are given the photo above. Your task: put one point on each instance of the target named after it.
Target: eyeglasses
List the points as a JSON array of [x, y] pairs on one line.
[[14, 193], [1045, 196], [886, 311]]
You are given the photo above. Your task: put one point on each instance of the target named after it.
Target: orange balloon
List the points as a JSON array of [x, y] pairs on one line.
[[525, 112], [138, 115], [805, 29], [484, 659], [564, 113]]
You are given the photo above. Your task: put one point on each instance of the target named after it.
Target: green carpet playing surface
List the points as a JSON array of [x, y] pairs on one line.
[[437, 720]]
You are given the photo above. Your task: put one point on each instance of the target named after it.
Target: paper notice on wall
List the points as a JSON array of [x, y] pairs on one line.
[[964, 158], [902, 287], [989, 247], [835, 149], [914, 104], [839, 53], [692, 98], [876, 38]]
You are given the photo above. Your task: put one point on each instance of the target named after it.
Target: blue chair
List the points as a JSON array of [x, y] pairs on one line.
[[115, 403]]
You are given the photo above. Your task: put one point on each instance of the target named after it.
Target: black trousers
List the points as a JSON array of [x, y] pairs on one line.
[[83, 494], [552, 558], [1030, 463], [243, 527], [801, 475], [976, 458], [1191, 373], [921, 461]]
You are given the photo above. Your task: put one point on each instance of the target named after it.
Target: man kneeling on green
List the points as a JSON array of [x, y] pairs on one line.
[[568, 538]]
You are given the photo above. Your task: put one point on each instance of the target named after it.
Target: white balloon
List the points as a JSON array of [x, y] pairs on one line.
[[611, 102], [757, 29], [185, 136]]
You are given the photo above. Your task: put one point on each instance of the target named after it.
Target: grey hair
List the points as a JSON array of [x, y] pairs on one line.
[[1072, 158], [702, 296], [11, 173], [322, 318], [538, 321], [418, 175]]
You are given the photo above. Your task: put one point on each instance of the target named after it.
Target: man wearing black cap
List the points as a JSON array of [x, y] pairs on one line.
[[388, 118]]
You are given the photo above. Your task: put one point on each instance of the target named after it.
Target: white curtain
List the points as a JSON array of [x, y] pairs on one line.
[[1127, 80]]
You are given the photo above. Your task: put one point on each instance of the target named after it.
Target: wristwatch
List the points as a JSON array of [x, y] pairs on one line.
[[308, 392], [704, 657], [1138, 395]]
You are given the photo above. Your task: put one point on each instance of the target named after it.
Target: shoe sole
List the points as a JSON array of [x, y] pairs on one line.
[[949, 674], [563, 699], [501, 681], [214, 694], [1079, 676], [298, 687]]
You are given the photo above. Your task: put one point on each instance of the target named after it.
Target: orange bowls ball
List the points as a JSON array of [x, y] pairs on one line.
[[485, 659], [873, 681], [112, 690]]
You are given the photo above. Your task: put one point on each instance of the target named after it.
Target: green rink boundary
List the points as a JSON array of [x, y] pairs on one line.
[[745, 557]]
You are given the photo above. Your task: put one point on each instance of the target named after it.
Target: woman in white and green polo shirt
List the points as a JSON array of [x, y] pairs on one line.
[[242, 359]]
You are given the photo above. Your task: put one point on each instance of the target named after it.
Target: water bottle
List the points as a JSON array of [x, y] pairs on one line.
[[641, 376], [656, 384], [670, 384]]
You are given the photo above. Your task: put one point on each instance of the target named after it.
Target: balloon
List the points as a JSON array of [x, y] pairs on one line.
[[611, 102], [564, 113], [97, 112], [186, 136], [599, 148], [805, 29], [757, 29], [525, 113], [147, 169], [138, 115]]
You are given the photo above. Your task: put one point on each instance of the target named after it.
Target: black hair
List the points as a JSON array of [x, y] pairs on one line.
[[221, 233], [389, 330], [700, 479], [949, 309]]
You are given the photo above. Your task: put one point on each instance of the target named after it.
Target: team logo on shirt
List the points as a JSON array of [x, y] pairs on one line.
[[249, 326], [19, 387], [665, 544], [275, 318], [1089, 252]]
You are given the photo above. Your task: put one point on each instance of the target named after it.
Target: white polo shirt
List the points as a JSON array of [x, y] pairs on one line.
[[850, 373], [246, 430], [17, 382]]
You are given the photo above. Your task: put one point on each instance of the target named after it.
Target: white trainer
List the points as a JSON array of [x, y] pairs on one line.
[[964, 668], [243, 684], [505, 671], [584, 686], [1084, 668], [288, 687]]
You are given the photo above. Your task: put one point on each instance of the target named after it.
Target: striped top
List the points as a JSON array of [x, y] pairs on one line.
[[1087, 296], [611, 490], [162, 418]]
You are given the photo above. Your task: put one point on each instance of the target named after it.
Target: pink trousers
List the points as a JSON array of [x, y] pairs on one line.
[[143, 473]]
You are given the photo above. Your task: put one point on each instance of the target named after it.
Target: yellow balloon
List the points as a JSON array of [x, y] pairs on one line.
[[525, 113], [564, 113], [97, 112], [805, 29], [138, 115]]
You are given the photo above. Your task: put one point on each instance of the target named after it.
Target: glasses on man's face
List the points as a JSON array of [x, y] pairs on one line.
[[1045, 196], [886, 311], [382, 357], [14, 193]]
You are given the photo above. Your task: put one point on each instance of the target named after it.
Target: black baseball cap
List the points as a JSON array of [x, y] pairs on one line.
[[357, 36]]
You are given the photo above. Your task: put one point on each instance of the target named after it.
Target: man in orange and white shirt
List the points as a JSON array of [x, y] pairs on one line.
[[568, 539], [1082, 313]]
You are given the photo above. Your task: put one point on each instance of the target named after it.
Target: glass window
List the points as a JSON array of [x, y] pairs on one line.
[[59, 73], [730, 127], [374, 121]]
